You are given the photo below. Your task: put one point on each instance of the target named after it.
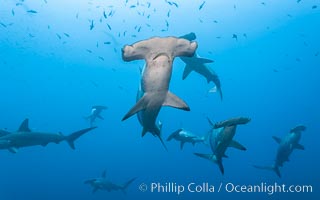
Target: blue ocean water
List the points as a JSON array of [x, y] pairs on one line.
[[59, 58]]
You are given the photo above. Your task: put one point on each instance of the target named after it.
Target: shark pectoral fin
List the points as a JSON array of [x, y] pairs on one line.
[[187, 70], [278, 140], [24, 127], [299, 146], [13, 150], [174, 101], [237, 145], [140, 105], [206, 156], [203, 60]]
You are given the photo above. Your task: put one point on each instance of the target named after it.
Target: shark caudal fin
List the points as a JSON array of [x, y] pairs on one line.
[[126, 185], [175, 102], [73, 136], [270, 168], [212, 158]]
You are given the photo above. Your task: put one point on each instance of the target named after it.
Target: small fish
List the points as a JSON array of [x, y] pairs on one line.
[[168, 14], [215, 21], [316, 54], [148, 25], [12, 12], [45, 1], [298, 59], [77, 15], [88, 50], [167, 24], [107, 43], [148, 16], [59, 36], [91, 25], [235, 36], [133, 6], [101, 58], [2, 24], [201, 6], [245, 35], [105, 14], [218, 37], [66, 34], [200, 20], [97, 45], [48, 27], [148, 4], [139, 29], [115, 50], [175, 4], [18, 4], [32, 11], [263, 3], [30, 35], [298, 1], [314, 7], [124, 33], [94, 83], [109, 27], [134, 36]]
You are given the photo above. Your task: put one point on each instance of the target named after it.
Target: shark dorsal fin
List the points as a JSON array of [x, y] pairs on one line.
[[24, 127], [104, 174]]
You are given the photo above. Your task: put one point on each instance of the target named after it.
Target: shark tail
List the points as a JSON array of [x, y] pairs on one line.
[[73, 136], [126, 185], [270, 168], [212, 158], [160, 136]]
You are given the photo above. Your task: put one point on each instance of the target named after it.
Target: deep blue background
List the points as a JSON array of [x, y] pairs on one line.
[[271, 76]]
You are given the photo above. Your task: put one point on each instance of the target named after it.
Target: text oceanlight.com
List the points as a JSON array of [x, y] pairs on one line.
[[205, 187]]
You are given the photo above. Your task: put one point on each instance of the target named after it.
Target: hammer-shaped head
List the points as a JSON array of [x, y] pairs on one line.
[[149, 49]]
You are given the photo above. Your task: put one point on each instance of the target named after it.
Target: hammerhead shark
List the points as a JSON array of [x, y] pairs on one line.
[[199, 65], [24, 137], [96, 113], [221, 138], [159, 54], [286, 147], [156, 130], [103, 183], [185, 136]]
